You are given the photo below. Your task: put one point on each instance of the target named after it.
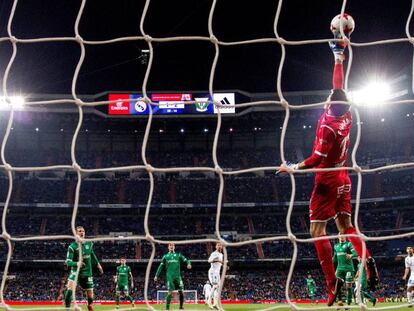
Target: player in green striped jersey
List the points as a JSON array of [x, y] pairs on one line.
[[85, 277], [344, 252], [123, 274], [171, 262]]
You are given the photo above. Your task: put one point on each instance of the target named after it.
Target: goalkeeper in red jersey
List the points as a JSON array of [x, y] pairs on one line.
[[331, 195]]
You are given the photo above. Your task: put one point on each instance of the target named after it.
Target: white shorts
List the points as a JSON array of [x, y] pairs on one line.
[[410, 282], [213, 277]]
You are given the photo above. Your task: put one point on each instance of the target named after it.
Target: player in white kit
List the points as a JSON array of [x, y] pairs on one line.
[[206, 293], [409, 268], [216, 261]]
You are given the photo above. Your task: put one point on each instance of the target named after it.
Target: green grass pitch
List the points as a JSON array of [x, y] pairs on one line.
[[231, 307]]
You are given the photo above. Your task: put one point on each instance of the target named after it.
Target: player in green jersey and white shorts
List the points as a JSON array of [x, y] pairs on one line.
[[85, 277]]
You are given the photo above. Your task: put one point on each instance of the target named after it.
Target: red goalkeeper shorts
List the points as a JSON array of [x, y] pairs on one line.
[[331, 196]]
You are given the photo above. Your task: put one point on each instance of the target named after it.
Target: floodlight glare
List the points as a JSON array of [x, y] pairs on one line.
[[16, 101], [372, 94]]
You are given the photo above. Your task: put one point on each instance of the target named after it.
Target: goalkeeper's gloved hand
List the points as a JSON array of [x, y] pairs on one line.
[[287, 168], [338, 47]]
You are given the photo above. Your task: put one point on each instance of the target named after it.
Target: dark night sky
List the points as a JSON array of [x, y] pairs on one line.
[[48, 67]]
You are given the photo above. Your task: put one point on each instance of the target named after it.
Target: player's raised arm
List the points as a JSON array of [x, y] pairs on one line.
[[338, 49], [327, 136]]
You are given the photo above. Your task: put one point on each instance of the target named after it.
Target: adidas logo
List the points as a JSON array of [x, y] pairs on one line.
[[225, 101]]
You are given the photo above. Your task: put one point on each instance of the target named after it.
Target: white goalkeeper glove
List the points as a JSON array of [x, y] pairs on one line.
[[287, 167], [338, 48]]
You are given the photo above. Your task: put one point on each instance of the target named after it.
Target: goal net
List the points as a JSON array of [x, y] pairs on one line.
[[216, 168], [190, 296]]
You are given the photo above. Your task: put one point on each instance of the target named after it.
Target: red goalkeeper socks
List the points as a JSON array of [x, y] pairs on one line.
[[324, 250], [356, 242]]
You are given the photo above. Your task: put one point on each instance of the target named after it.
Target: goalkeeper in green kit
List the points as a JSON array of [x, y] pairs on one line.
[[344, 253], [171, 262], [85, 278]]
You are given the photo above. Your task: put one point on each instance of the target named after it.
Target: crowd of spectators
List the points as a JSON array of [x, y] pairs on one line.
[[227, 159], [253, 140], [385, 216], [177, 189], [375, 219], [255, 283], [47, 250], [33, 285]]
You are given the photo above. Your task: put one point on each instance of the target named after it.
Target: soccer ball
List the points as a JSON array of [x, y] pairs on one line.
[[347, 21]]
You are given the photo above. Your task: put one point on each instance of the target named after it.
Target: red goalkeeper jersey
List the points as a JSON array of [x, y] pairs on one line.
[[332, 140]]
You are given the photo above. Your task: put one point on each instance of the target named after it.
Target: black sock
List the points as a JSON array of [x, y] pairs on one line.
[[68, 298], [181, 295]]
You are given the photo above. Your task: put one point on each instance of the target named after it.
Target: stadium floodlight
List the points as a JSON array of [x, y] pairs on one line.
[[374, 93], [16, 101]]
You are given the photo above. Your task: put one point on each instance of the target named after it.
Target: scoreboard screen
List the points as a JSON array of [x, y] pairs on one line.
[[170, 103]]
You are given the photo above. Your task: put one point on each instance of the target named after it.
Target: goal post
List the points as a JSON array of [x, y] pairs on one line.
[[190, 296]]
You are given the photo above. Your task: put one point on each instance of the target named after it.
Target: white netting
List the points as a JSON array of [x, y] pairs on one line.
[[216, 169]]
